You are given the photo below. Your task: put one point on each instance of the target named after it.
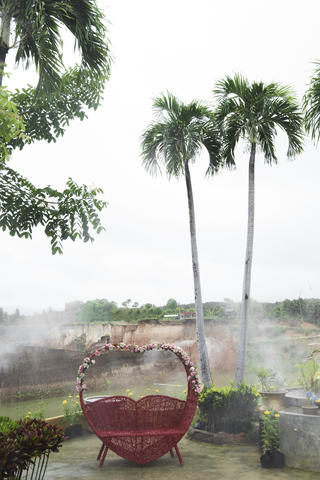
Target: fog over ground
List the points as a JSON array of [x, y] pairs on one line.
[[144, 254]]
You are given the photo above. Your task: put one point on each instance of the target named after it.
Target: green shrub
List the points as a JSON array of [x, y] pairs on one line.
[[228, 409], [29, 439], [6, 425]]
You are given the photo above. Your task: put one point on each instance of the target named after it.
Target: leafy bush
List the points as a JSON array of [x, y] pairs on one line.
[[6, 425], [71, 412], [27, 440], [228, 409], [270, 431]]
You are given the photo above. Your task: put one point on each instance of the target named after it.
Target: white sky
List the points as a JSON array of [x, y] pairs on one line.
[[144, 254]]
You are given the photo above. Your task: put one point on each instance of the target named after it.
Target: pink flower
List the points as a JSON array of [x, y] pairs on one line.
[[118, 348], [193, 374], [189, 378], [191, 364], [80, 369], [97, 353], [193, 381], [86, 360], [79, 388]]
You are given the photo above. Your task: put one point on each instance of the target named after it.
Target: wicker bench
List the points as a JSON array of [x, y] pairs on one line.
[[142, 430]]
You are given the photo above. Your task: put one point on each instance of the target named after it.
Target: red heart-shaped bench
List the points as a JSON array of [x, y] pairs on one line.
[[146, 429]]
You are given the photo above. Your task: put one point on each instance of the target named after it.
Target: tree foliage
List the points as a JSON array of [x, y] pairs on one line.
[[37, 27], [46, 119], [12, 127], [42, 113], [311, 105], [255, 112], [66, 214], [98, 310]]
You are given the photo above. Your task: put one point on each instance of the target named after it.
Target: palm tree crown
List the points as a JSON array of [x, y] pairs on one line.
[[179, 136], [254, 112], [37, 28]]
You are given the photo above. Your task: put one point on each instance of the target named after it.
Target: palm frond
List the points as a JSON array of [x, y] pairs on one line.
[[38, 38], [255, 111], [178, 137], [311, 105]]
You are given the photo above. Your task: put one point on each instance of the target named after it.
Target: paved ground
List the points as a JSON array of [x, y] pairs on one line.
[[77, 460]]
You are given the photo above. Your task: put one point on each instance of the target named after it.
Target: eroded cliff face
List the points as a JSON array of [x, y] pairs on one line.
[[221, 348], [50, 362]]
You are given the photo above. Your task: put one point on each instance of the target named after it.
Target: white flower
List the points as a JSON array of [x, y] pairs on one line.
[[191, 369], [141, 350], [93, 362]]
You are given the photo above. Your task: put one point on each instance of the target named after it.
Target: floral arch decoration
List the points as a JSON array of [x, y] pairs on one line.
[[192, 375]]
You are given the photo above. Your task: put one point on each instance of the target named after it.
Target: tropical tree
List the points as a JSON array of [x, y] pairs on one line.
[[42, 113], [254, 112], [37, 37], [175, 140], [311, 106]]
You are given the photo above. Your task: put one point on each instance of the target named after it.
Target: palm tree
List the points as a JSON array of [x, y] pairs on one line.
[[37, 37], [175, 140], [254, 112], [311, 106]]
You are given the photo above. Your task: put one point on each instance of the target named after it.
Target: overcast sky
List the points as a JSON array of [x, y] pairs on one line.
[[145, 253]]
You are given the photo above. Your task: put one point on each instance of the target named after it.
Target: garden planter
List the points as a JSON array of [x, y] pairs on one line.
[[273, 400], [278, 460], [73, 431], [310, 409], [272, 460], [266, 460]]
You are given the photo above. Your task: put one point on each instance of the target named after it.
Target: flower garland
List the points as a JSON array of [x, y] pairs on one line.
[[193, 375]]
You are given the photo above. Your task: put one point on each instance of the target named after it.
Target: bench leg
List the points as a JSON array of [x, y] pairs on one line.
[[179, 456], [171, 453], [103, 457], [100, 452]]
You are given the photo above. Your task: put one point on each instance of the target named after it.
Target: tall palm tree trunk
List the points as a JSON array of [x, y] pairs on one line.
[[241, 356], [202, 346]]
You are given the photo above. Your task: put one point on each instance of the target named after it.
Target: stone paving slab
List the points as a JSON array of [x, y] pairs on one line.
[[77, 460]]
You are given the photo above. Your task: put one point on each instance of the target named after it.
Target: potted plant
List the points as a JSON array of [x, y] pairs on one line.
[[309, 379], [227, 409], [270, 387], [72, 412], [25, 445], [271, 457]]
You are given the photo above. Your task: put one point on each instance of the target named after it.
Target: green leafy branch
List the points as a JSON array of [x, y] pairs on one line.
[[47, 118], [66, 214]]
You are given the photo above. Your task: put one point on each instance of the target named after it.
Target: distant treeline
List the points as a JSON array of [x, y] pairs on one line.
[[103, 311]]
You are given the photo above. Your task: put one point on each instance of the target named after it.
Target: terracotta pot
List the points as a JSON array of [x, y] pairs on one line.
[[310, 409], [273, 400]]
